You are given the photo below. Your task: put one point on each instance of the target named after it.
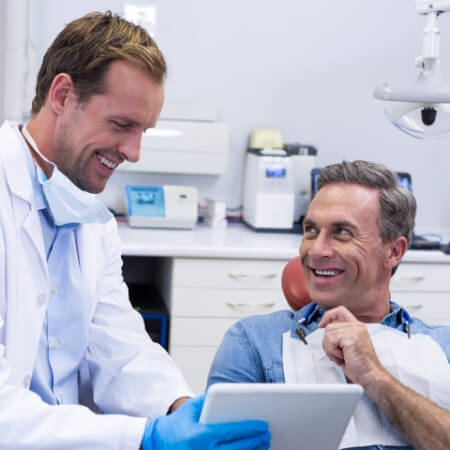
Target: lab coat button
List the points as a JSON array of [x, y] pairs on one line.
[[41, 299], [27, 381]]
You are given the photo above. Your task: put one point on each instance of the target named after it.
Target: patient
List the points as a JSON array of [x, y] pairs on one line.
[[356, 231]]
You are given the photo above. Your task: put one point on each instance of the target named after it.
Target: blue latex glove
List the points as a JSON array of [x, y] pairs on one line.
[[181, 431]]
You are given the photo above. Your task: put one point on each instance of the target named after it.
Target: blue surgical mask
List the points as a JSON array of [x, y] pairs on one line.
[[66, 202]]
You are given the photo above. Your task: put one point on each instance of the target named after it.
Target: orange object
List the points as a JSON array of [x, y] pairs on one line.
[[294, 284]]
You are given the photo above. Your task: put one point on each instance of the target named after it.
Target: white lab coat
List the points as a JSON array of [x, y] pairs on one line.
[[130, 377]]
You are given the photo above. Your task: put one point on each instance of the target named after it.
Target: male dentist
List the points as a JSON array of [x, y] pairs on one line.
[[68, 334]]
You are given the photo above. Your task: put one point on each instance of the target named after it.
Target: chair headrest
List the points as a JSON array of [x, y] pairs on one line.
[[294, 285]]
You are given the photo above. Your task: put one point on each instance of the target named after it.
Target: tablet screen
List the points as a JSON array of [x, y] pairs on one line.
[[310, 416]]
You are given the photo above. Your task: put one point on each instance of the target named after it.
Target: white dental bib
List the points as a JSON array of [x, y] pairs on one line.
[[418, 362]]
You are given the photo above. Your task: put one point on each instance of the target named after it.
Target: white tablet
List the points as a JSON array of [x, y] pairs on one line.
[[300, 416]]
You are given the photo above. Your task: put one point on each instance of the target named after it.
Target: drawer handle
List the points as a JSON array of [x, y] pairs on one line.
[[240, 276], [250, 307], [411, 278], [414, 307]]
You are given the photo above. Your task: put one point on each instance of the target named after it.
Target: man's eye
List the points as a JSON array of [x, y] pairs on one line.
[[121, 125], [343, 232], [309, 230]]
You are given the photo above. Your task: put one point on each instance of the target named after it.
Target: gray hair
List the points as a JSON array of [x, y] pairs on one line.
[[397, 204]]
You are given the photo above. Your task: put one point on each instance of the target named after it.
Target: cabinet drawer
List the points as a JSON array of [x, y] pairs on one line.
[[202, 332], [207, 302], [227, 273], [421, 277], [430, 307]]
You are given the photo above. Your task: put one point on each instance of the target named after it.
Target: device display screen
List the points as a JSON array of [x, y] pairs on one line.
[[275, 171], [145, 201], [404, 179]]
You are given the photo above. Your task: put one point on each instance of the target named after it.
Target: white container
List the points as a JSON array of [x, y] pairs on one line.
[[184, 147], [268, 200]]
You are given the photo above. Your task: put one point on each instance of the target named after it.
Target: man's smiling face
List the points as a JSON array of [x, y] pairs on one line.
[[92, 138], [344, 258]]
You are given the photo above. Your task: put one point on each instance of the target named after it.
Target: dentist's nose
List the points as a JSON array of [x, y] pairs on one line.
[[130, 147]]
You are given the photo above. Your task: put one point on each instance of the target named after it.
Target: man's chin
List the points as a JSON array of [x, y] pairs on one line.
[[93, 188], [326, 301], [96, 190]]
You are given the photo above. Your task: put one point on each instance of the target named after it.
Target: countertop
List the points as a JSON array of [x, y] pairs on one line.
[[234, 241]]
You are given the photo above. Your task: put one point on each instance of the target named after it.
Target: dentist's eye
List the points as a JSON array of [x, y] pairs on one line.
[[118, 125]]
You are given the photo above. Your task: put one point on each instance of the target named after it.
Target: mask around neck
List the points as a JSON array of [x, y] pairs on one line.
[[66, 202]]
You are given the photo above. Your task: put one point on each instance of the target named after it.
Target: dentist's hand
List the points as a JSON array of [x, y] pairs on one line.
[[181, 431]]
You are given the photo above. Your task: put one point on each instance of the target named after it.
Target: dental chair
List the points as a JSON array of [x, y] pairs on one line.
[[293, 283]]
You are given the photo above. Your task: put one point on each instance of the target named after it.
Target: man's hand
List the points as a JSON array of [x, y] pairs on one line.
[[347, 343]]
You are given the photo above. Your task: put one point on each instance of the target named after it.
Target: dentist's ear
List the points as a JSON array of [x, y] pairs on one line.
[[60, 92]]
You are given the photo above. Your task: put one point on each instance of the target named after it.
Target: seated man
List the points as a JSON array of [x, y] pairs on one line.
[[356, 231]]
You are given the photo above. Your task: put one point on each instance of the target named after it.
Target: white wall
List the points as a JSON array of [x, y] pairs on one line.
[[305, 69]]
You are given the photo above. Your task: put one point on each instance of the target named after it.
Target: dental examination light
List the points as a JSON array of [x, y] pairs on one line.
[[422, 110]]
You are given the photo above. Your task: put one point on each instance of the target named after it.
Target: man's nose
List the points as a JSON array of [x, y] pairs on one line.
[[130, 147], [321, 247]]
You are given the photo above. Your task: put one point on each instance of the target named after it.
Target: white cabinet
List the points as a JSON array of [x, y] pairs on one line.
[[207, 297], [424, 290]]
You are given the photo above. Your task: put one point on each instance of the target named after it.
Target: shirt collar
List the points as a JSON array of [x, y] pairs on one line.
[[397, 318], [394, 319]]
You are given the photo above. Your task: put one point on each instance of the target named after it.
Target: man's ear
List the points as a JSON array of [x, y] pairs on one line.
[[60, 92], [396, 250]]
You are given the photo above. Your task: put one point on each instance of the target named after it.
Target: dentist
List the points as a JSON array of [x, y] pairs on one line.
[[77, 369]]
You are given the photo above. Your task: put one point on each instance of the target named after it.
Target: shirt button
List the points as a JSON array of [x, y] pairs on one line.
[[27, 381], [55, 344], [54, 290], [41, 299]]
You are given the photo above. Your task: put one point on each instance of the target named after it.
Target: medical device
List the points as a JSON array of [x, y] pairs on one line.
[[303, 159], [268, 195], [422, 110], [162, 206], [187, 139]]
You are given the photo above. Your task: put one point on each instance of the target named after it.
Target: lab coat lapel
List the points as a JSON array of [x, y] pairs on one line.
[[27, 277], [16, 170]]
